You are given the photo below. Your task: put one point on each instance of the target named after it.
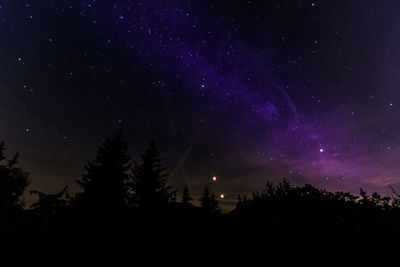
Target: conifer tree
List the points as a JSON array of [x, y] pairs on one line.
[[13, 181], [148, 182], [186, 198], [103, 183], [208, 201]]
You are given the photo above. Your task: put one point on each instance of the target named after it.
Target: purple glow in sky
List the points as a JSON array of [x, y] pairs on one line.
[[229, 71], [248, 91]]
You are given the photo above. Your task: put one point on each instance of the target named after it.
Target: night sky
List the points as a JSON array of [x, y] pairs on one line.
[[247, 91]]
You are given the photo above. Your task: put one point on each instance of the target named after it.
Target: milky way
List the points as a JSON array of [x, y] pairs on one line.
[[248, 91]]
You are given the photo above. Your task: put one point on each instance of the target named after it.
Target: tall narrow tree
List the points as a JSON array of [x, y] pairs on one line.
[[148, 181], [103, 183], [186, 198], [208, 201], [13, 181]]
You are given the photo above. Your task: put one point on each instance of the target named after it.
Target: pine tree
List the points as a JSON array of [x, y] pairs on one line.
[[13, 181], [148, 181], [208, 201], [186, 198], [103, 183]]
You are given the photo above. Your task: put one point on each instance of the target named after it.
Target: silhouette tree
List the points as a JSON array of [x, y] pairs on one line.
[[103, 183], [13, 181], [395, 200], [364, 199], [208, 201], [148, 181], [49, 204], [186, 198], [50, 208]]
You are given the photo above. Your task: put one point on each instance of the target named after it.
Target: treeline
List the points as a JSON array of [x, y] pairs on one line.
[[115, 190], [134, 197]]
